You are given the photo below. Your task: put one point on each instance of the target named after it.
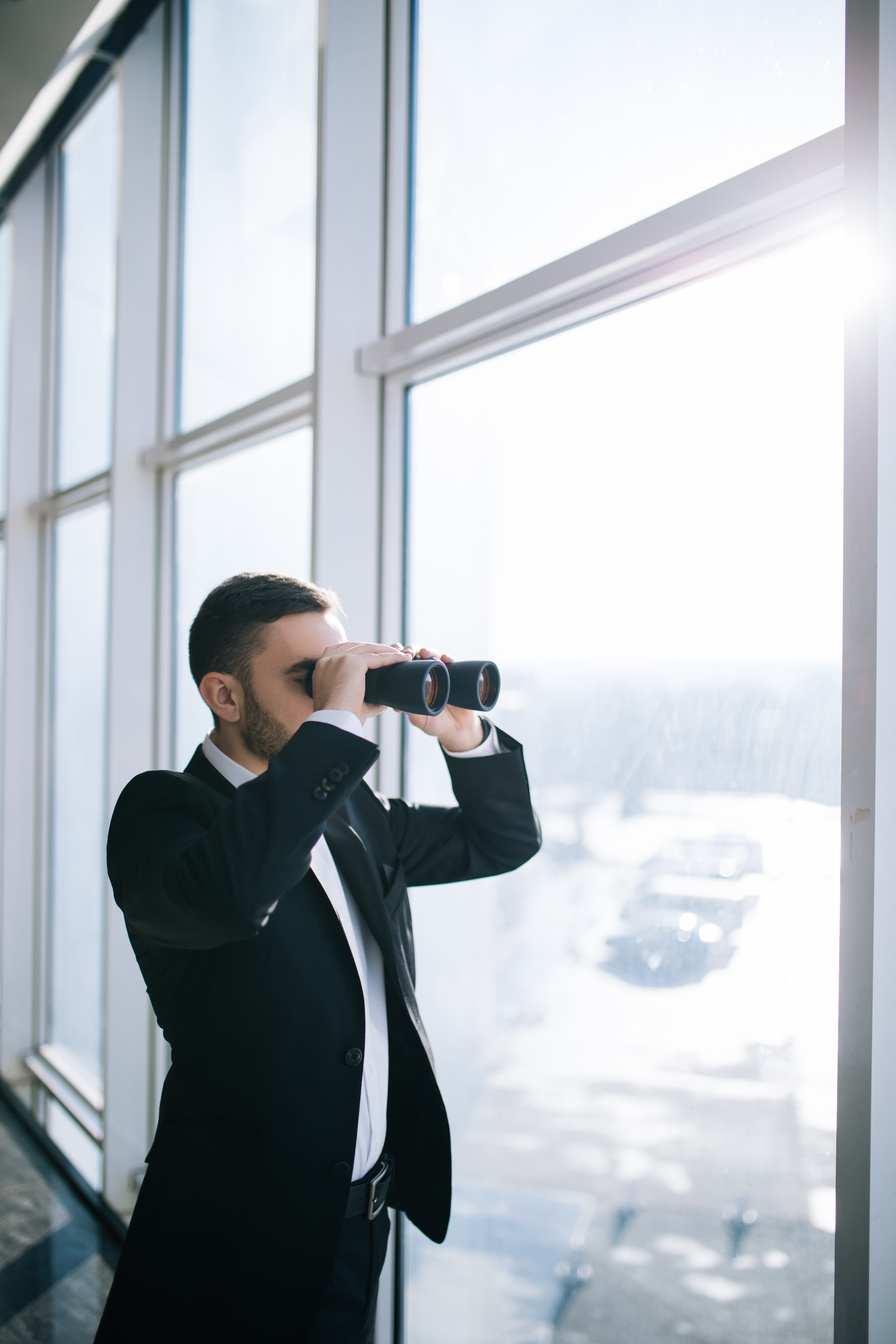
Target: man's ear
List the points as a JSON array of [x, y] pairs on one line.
[[223, 695]]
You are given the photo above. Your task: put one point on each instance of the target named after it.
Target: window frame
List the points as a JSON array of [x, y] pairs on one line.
[[810, 188], [58, 1076], [52, 1076]]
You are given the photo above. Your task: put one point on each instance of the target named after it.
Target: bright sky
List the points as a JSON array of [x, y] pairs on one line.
[[542, 127], [250, 182], [660, 486]]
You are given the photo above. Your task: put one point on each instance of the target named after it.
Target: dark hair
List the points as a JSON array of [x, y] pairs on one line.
[[228, 629]]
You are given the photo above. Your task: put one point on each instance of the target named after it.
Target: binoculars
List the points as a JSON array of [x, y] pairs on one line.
[[426, 686]]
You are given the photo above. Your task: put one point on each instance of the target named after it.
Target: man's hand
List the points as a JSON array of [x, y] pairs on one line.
[[341, 671], [456, 729]]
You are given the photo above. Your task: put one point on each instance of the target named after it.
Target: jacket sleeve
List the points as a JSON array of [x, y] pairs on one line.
[[187, 874], [492, 830]]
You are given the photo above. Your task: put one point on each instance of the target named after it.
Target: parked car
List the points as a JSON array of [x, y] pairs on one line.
[[725, 900], [727, 856], [680, 919], [665, 948]]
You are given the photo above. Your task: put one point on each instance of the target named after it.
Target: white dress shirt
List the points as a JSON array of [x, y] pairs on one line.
[[363, 946]]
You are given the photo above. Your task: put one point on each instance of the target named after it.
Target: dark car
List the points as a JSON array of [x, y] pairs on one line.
[[724, 856], [682, 917]]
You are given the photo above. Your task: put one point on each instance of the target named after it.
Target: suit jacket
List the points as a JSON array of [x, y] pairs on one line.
[[254, 985]]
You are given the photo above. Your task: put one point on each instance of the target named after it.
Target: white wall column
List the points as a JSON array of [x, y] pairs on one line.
[[865, 1290], [349, 306], [128, 1114], [882, 1213]]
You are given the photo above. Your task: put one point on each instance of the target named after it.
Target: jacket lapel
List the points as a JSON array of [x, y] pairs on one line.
[[352, 857]]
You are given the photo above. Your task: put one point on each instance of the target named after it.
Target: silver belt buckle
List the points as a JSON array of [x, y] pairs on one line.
[[376, 1200]]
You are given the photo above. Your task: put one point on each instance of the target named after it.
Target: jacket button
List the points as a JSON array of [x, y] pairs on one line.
[[339, 1171], [354, 1056], [319, 793], [338, 772], [326, 785]]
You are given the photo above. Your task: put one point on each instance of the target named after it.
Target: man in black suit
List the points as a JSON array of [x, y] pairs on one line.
[[265, 896]]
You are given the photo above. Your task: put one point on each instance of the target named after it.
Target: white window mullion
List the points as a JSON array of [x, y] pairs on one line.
[[131, 724], [349, 308], [870, 720], [19, 914]]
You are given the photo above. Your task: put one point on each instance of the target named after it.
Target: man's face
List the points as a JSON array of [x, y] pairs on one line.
[[275, 703]]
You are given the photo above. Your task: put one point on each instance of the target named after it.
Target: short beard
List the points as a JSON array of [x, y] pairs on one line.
[[263, 734]]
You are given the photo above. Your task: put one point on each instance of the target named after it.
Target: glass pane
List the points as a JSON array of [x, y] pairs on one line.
[[78, 785], [250, 512], [542, 127], [5, 332], [249, 202], [88, 243], [636, 1033]]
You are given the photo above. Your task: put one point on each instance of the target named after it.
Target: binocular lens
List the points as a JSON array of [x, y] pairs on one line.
[[431, 692], [482, 687]]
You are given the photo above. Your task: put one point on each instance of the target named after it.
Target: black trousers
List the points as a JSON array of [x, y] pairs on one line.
[[348, 1313]]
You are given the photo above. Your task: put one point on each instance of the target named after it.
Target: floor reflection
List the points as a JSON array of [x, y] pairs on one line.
[[56, 1258]]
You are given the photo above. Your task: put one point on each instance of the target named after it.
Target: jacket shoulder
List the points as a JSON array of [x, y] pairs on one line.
[[158, 808], [161, 793], [160, 787]]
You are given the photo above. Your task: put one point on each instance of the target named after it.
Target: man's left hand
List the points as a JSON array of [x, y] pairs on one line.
[[456, 729]]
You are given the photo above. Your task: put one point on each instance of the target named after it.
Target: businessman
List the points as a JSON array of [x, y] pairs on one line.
[[265, 895]]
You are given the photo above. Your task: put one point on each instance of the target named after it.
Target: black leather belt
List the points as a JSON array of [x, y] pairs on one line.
[[367, 1198]]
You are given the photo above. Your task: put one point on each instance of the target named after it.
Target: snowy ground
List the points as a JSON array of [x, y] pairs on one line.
[[667, 1110]]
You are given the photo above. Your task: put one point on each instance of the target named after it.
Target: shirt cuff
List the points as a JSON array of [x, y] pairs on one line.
[[339, 718], [489, 746]]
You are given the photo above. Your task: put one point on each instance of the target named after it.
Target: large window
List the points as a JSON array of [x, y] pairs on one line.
[[636, 1034], [541, 127], [5, 323], [5, 316], [87, 255], [77, 882], [249, 203], [70, 1032]]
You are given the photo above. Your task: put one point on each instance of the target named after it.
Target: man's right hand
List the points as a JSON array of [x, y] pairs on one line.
[[341, 671]]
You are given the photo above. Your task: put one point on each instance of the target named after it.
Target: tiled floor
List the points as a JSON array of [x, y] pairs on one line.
[[56, 1258]]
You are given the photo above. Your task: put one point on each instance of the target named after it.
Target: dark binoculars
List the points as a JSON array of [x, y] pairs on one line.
[[426, 686]]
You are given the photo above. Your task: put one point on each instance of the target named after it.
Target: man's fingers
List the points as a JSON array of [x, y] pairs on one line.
[[352, 648], [378, 656], [434, 653], [420, 651]]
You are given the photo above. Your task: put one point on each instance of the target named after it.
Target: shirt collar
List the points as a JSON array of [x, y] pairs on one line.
[[232, 771]]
